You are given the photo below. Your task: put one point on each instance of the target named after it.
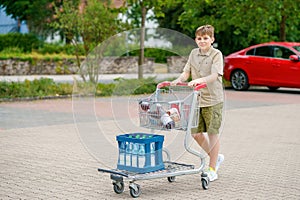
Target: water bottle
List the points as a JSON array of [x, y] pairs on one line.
[[142, 157], [134, 155], [152, 153], [127, 153], [129, 148], [135, 148], [122, 153]]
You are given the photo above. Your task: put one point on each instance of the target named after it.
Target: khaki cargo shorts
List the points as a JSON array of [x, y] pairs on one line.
[[210, 119]]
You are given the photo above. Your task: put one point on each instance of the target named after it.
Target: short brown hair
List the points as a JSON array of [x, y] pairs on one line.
[[205, 30]]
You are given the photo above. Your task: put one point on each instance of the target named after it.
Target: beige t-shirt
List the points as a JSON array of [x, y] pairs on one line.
[[200, 65]]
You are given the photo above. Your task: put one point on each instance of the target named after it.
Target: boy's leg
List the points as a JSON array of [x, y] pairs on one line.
[[198, 135], [214, 120], [210, 122], [202, 141], [214, 147], [211, 146]]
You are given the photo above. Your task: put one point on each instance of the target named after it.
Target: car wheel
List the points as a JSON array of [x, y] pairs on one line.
[[273, 88], [239, 80]]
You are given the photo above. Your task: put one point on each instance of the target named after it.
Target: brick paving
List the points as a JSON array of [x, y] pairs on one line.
[[42, 156]]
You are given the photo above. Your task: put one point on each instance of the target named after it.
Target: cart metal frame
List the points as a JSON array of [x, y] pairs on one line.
[[172, 169]]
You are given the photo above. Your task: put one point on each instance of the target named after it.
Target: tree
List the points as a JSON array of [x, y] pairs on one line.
[[92, 23], [137, 12], [244, 22], [168, 14], [144, 9], [37, 14]]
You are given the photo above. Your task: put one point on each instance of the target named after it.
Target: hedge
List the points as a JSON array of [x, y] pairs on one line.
[[24, 42], [46, 87]]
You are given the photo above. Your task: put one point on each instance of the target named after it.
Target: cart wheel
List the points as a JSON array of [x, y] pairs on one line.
[[171, 179], [205, 183], [118, 187], [135, 190]]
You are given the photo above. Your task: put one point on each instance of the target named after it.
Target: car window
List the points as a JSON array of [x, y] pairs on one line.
[[264, 51], [297, 48], [282, 52], [251, 52]]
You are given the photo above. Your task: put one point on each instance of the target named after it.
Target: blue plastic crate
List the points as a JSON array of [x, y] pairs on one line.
[[140, 152]]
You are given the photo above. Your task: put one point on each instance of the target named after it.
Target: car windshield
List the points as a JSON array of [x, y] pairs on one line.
[[297, 48]]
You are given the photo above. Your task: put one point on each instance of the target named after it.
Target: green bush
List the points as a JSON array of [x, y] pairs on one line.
[[25, 42], [50, 49], [37, 88], [12, 50], [46, 87], [105, 89], [159, 55], [135, 86], [119, 88], [68, 49]]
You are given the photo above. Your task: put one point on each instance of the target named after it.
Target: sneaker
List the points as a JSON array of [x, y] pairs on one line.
[[219, 161], [211, 174]]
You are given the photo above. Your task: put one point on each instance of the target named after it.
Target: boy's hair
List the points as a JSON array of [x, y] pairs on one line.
[[205, 30]]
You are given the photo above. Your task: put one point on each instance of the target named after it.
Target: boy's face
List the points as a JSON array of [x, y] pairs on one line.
[[204, 41]]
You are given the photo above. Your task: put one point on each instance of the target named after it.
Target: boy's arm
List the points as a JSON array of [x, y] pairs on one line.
[[208, 79], [183, 77]]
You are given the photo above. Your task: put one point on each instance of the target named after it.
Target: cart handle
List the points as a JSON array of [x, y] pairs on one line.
[[168, 83]]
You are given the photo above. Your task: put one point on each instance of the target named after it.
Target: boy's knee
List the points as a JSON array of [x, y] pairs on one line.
[[198, 136]]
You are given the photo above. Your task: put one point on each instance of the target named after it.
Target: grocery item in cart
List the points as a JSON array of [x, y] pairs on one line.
[[167, 121], [154, 116], [145, 106], [140, 152], [175, 116], [165, 118]]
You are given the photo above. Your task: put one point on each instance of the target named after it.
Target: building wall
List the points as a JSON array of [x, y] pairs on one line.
[[8, 24]]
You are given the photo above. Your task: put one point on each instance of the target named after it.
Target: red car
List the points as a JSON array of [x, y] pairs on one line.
[[273, 64]]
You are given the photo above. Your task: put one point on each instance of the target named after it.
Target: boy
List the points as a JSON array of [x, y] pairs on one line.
[[205, 65]]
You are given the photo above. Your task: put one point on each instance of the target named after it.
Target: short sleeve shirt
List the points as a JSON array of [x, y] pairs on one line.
[[200, 65]]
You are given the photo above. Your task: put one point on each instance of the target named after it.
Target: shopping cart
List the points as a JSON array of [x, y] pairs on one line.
[[169, 107]]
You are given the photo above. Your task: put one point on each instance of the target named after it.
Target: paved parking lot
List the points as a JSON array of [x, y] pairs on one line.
[[43, 156]]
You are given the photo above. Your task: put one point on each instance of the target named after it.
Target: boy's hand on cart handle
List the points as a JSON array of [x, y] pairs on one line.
[[176, 82], [163, 84], [200, 86], [168, 83], [197, 86], [195, 82]]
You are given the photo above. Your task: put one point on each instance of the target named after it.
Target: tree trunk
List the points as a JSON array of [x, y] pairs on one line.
[[282, 33], [142, 39], [19, 25]]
